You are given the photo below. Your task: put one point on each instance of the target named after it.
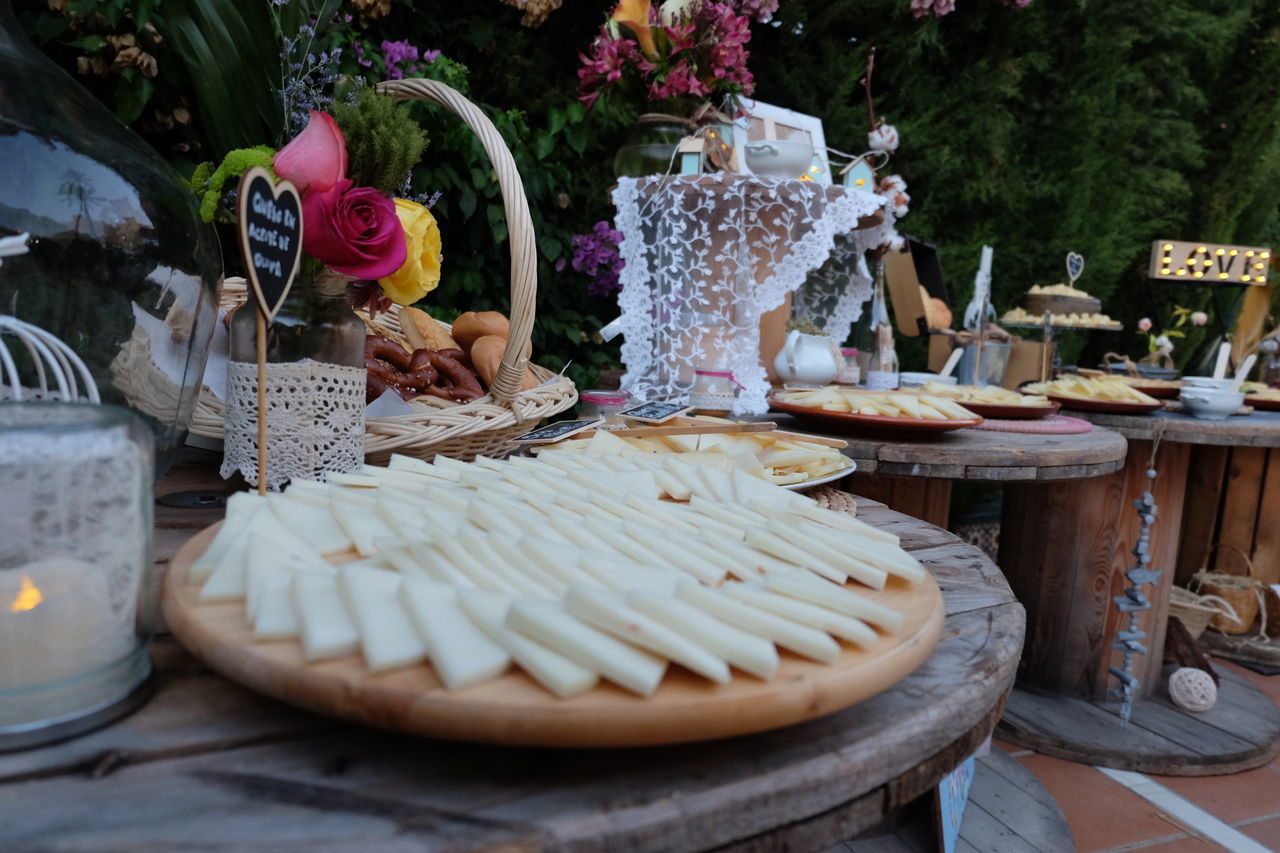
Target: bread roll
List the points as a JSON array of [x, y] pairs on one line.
[[424, 331], [486, 356], [473, 325]]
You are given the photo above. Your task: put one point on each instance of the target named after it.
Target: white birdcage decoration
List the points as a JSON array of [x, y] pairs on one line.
[[52, 359]]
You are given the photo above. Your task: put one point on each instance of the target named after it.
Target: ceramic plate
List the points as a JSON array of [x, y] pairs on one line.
[[1111, 407], [1160, 392], [845, 423], [1011, 413], [822, 481]]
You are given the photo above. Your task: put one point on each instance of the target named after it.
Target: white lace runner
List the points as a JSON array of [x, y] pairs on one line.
[[315, 421], [707, 256]]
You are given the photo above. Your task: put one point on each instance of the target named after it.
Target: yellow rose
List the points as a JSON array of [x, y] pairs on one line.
[[421, 271]]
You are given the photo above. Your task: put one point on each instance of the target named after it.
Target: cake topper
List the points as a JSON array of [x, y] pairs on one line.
[[1075, 266]]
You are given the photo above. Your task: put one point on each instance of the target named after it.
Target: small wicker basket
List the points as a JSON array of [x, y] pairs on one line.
[[1195, 611], [1242, 592], [485, 426]]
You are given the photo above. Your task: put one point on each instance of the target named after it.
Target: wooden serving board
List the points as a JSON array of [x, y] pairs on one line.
[[513, 709]]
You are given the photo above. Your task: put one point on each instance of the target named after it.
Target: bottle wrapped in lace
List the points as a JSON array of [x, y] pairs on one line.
[[315, 392]]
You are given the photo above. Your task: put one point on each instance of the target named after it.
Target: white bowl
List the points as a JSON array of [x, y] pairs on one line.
[[1211, 404], [915, 380], [1207, 382], [779, 158]]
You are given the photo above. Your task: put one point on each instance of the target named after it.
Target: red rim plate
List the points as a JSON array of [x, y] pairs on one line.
[[1263, 404], [1113, 407], [847, 422], [1160, 392], [1011, 413]]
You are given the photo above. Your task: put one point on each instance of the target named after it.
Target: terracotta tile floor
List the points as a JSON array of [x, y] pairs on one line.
[[1107, 817]]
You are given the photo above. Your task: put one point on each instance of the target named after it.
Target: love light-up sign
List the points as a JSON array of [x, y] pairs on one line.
[[1207, 263]]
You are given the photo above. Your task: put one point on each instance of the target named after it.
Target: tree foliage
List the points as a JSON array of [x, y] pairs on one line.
[[1070, 125]]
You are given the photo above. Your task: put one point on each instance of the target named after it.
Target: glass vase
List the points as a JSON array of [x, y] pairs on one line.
[[119, 266], [651, 146], [315, 391]]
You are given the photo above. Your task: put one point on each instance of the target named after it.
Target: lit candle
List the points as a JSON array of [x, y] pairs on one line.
[[75, 546]]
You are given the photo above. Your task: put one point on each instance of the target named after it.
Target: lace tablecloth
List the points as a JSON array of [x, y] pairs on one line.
[[707, 256]]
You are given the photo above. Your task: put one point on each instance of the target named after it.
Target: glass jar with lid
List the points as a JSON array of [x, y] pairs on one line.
[[850, 372], [714, 392], [604, 404]]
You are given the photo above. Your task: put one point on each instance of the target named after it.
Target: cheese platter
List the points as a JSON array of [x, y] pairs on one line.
[[842, 410], [512, 602]]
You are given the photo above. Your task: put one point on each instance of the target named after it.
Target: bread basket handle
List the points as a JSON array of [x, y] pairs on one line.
[[524, 255]]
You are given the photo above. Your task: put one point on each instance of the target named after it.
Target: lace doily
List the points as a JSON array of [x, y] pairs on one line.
[[315, 421], [706, 257]]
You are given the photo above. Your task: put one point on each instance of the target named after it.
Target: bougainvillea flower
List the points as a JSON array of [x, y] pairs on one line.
[[634, 15], [315, 159]]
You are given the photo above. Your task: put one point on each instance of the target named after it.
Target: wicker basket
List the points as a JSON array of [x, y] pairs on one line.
[[485, 426], [1241, 592], [1195, 611]]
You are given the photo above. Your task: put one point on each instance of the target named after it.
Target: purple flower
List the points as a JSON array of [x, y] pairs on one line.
[[396, 52], [596, 254], [433, 55]]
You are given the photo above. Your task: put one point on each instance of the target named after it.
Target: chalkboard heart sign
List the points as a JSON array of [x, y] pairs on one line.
[[270, 221], [1075, 265]]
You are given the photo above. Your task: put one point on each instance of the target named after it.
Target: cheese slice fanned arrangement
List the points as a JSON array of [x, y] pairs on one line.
[[892, 404], [574, 568], [778, 459]]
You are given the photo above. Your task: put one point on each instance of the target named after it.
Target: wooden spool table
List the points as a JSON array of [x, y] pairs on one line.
[[206, 759], [1065, 556], [913, 475]]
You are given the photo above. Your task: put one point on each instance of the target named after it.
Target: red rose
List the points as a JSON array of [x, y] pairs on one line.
[[355, 231]]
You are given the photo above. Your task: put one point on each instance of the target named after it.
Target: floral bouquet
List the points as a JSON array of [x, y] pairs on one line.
[[347, 164], [680, 53]]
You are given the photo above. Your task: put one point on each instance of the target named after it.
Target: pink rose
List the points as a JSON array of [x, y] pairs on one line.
[[316, 159], [353, 230], [1145, 324], [1199, 318]]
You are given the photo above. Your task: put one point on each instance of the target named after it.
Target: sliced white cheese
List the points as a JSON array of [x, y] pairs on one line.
[[650, 544], [852, 629], [846, 560], [388, 639], [625, 575], [276, 618], [610, 613], [882, 555], [605, 444], [841, 599], [550, 624], [363, 525], [313, 524], [510, 550], [352, 481], [554, 671], [796, 637], [771, 543], [461, 653], [477, 572], [481, 550], [558, 560], [748, 652], [437, 566], [326, 629], [241, 507]]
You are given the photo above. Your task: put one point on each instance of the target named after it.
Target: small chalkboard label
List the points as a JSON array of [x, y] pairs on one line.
[[270, 226], [557, 431], [655, 413]]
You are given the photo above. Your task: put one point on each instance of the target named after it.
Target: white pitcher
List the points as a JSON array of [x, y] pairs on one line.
[[807, 359]]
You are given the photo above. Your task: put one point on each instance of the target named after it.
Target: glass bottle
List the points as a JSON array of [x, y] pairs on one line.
[[315, 384], [882, 364], [120, 266]]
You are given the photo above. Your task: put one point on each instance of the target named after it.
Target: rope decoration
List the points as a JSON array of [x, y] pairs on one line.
[[1134, 601]]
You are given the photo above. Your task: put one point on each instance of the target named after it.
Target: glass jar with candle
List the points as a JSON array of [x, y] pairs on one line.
[[713, 393], [77, 593], [850, 372], [604, 404]]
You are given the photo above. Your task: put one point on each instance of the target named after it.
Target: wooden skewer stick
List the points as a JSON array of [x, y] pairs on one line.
[[262, 402]]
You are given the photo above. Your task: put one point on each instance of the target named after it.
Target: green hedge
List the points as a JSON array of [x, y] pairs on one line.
[[1086, 125]]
